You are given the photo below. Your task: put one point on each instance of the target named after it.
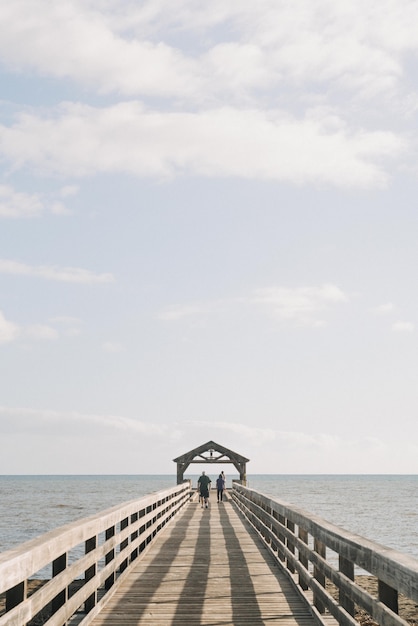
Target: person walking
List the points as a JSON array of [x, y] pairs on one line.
[[220, 487], [203, 485]]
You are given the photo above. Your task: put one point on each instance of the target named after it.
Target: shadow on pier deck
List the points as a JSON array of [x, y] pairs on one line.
[[208, 567]]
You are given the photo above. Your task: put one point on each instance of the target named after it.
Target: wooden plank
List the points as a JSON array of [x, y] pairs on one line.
[[209, 567]]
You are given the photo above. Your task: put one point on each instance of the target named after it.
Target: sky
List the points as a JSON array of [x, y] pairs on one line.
[[208, 231]]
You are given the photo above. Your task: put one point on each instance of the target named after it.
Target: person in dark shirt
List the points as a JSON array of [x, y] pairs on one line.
[[203, 486]]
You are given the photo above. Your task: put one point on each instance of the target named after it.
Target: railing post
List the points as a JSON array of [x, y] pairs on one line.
[[90, 573], [388, 596], [134, 535], [110, 532], [124, 544], [347, 568], [320, 548], [59, 566], [303, 536], [290, 546], [281, 537]]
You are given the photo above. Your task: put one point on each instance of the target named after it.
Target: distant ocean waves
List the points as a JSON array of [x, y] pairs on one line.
[[382, 508]]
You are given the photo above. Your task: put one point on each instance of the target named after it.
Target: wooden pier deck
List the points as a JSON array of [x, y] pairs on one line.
[[209, 567]]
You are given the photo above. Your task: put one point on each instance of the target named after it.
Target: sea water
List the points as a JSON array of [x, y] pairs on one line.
[[382, 508]]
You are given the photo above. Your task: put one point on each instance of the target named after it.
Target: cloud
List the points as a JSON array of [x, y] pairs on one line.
[[15, 204], [62, 422], [41, 331], [57, 40], [153, 445], [68, 191], [146, 49], [301, 305], [69, 326], [112, 346], [174, 313], [8, 330], [257, 436], [385, 309], [63, 274], [403, 327], [58, 326], [80, 140]]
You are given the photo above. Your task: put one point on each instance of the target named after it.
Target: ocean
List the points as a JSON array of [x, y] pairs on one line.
[[383, 508]]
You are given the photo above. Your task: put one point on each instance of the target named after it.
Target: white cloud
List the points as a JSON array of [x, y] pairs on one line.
[[355, 46], [33, 419], [15, 204], [270, 450], [112, 346], [73, 40], [68, 191], [304, 306], [8, 330], [63, 274], [257, 436], [180, 312], [69, 326], [81, 140], [385, 309], [59, 326], [41, 331], [301, 305], [403, 327]]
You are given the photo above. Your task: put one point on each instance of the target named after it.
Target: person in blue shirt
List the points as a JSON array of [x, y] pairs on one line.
[[220, 487]]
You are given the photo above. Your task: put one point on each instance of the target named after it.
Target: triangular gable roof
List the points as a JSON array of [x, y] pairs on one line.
[[188, 457]]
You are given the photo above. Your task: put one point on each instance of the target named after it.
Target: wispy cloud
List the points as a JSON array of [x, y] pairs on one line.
[[112, 346], [33, 419], [174, 313], [403, 327], [139, 51], [303, 306], [15, 204], [384, 309], [11, 331], [68, 325], [8, 330], [229, 96], [40, 331], [62, 274], [222, 142], [256, 435]]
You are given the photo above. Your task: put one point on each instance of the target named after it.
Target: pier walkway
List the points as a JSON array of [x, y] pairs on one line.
[[208, 567], [162, 560]]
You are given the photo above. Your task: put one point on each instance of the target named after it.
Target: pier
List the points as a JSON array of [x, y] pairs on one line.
[[164, 560]]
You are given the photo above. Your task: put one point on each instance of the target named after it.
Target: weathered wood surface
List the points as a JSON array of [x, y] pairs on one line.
[[303, 542], [208, 568]]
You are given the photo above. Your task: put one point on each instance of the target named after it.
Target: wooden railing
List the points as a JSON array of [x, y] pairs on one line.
[[321, 559], [86, 559]]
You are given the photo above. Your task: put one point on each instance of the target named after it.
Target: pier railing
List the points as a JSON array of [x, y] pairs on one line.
[[321, 559], [85, 558]]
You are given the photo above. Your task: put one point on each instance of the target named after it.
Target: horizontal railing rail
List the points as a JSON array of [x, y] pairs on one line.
[[309, 547], [85, 558]]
